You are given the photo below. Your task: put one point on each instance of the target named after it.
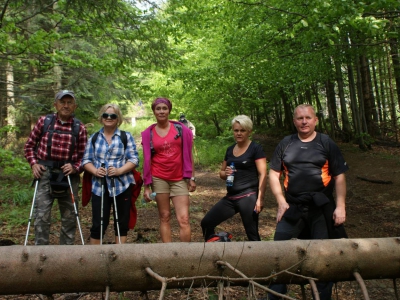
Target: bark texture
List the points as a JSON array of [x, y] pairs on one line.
[[63, 269]]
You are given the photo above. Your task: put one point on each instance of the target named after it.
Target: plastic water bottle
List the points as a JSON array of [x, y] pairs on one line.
[[152, 197], [230, 178]]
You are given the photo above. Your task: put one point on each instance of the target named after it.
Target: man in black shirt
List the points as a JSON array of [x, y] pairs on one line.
[[313, 167]]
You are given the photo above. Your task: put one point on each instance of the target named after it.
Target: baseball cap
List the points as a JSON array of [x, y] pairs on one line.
[[64, 93]]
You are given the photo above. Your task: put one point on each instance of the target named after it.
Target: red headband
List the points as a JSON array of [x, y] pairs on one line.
[[161, 100]]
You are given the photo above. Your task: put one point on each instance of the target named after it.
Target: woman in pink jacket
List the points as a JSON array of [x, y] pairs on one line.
[[168, 168]]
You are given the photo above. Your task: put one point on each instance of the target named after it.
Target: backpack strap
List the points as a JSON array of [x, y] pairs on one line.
[[76, 124], [178, 128], [124, 138], [48, 126]]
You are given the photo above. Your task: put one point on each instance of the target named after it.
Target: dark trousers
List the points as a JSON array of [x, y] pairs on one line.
[[313, 221], [225, 209], [123, 201]]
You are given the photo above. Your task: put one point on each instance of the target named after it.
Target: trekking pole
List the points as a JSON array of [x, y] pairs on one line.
[[33, 204], [115, 209], [102, 204], [75, 209]]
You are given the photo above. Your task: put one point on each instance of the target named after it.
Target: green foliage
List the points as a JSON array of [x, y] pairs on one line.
[[95, 49], [14, 215], [8, 128], [15, 191], [13, 166], [367, 139], [20, 194], [209, 153]]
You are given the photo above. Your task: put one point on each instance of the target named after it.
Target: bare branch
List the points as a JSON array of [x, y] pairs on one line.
[[314, 289], [361, 282]]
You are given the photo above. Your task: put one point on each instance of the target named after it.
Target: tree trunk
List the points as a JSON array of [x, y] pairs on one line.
[[331, 102], [377, 92], [278, 115], [11, 111], [394, 53], [265, 114], [63, 269], [361, 108], [288, 111], [320, 112], [393, 114], [382, 75], [369, 99], [216, 123], [346, 127], [354, 108]]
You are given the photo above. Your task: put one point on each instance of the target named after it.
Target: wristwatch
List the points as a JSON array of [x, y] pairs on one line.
[[193, 178]]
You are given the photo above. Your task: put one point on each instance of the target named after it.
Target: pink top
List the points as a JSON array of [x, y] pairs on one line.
[[167, 160], [187, 144]]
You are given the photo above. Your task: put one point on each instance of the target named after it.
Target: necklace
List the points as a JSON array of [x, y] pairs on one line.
[[108, 139], [240, 150]]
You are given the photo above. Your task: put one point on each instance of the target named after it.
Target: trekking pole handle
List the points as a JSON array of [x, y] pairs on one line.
[[112, 182], [34, 181], [103, 178]]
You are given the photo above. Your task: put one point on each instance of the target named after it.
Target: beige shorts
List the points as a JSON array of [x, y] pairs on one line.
[[173, 188]]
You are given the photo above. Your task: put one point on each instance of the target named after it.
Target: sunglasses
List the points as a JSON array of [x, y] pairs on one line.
[[111, 116]]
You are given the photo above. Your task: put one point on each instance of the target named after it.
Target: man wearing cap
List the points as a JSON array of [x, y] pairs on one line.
[[188, 124], [54, 150]]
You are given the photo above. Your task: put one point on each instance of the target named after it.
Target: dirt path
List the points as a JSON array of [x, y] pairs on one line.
[[373, 210]]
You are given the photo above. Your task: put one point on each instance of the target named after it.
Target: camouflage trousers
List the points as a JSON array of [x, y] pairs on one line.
[[43, 204]]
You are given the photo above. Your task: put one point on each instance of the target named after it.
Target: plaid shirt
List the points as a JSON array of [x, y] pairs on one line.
[[61, 143], [111, 155]]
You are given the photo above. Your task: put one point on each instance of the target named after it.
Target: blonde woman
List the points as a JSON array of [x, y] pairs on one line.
[[108, 158], [246, 194]]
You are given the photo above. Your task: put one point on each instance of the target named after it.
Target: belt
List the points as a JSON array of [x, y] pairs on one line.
[[52, 163]]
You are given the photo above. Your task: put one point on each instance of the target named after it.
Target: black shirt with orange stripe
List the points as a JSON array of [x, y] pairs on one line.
[[308, 166]]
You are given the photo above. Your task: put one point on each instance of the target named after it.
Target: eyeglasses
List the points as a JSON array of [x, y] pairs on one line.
[[111, 116]]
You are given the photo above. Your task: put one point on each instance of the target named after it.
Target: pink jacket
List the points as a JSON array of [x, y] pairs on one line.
[[187, 144]]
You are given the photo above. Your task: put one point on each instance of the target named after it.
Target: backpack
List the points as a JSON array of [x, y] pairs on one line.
[[87, 184], [58, 182], [184, 121], [220, 237]]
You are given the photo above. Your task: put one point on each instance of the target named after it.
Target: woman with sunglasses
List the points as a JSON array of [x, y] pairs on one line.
[[168, 169], [108, 159]]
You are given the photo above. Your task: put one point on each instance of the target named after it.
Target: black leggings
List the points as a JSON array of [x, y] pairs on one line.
[[123, 208], [225, 209]]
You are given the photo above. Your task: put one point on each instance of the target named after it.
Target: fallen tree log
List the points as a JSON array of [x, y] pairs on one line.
[[64, 269]]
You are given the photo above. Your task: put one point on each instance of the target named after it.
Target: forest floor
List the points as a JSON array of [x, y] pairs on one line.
[[373, 211]]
